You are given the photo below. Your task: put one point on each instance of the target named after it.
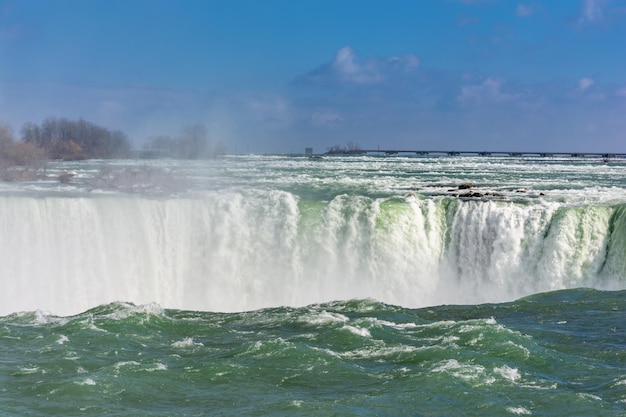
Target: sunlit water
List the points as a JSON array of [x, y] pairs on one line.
[[193, 245]]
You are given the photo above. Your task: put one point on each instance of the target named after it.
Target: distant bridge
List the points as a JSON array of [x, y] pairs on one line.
[[479, 153]]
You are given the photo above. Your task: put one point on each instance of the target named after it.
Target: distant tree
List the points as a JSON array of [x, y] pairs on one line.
[[26, 155], [350, 148], [31, 133], [334, 149], [76, 139], [19, 160], [70, 150], [6, 137]]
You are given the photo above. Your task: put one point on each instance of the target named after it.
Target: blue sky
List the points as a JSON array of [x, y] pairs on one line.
[[276, 76]]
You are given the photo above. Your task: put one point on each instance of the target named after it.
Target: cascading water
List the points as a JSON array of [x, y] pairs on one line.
[[233, 251], [211, 238]]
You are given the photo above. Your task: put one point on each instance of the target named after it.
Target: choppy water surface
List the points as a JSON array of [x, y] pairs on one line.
[[557, 354]]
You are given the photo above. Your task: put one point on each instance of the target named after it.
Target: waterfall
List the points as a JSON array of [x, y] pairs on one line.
[[233, 251]]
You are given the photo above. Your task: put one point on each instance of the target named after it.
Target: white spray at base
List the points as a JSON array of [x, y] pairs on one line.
[[233, 252]]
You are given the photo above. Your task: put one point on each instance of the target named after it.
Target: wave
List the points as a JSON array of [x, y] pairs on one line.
[[530, 356], [240, 251]]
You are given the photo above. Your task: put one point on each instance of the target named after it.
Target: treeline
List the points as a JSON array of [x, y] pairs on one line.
[[76, 139], [193, 143], [19, 160], [350, 148], [64, 139]]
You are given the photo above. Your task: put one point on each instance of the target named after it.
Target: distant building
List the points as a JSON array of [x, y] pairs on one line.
[[308, 151]]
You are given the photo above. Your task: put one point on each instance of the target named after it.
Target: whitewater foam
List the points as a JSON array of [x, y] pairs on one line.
[[259, 232]]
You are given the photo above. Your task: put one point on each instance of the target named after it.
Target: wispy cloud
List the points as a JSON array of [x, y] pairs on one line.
[[325, 118], [489, 91], [524, 10], [592, 12], [464, 20], [348, 68], [585, 83]]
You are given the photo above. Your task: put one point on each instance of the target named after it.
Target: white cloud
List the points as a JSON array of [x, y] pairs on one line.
[[585, 83], [524, 10], [592, 12], [325, 118], [349, 69], [345, 64], [405, 63], [489, 91]]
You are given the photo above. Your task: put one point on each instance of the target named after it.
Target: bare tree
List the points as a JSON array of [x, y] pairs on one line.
[[19, 160], [6, 137], [80, 139]]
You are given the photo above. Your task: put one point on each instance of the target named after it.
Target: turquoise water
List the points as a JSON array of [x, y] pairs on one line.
[[273, 285], [554, 354]]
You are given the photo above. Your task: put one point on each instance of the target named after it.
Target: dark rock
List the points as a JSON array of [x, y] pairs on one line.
[[65, 177], [471, 194], [494, 195]]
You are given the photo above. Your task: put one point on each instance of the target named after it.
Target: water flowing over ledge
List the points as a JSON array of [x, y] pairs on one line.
[[247, 232], [234, 251]]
